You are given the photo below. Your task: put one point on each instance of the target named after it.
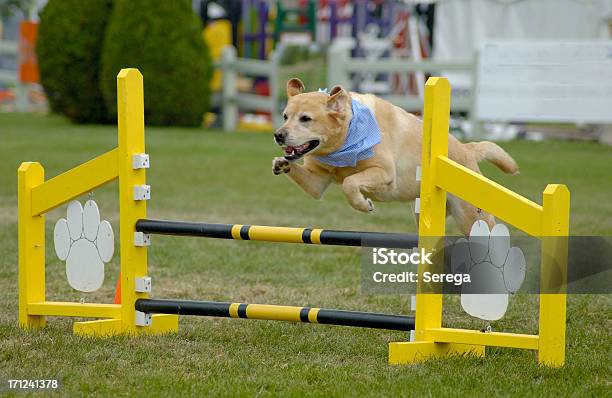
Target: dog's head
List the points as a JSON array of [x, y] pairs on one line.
[[315, 123]]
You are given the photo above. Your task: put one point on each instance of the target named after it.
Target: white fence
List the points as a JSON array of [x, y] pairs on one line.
[[232, 101], [340, 67], [545, 81]]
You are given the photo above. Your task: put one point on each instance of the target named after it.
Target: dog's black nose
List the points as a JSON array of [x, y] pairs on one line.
[[280, 136]]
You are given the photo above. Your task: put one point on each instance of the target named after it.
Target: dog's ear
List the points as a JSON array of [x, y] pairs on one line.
[[338, 100], [295, 87]]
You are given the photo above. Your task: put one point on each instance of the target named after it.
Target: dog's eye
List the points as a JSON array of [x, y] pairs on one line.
[[285, 116], [305, 119]]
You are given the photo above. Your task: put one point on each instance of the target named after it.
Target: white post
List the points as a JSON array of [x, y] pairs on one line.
[[478, 131], [274, 80], [229, 90], [337, 58]]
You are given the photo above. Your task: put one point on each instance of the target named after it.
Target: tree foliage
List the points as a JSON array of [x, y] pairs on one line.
[[163, 39], [68, 49]]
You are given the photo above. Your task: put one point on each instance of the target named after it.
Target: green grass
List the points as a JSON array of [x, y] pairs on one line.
[[205, 175]]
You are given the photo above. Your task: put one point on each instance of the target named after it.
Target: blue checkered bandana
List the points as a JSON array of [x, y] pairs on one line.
[[363, 134]]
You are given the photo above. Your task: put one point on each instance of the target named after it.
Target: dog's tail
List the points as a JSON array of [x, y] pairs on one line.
[[486, 150]]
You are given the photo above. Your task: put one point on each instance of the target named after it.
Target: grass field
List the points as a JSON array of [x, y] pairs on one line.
[[209, 176]]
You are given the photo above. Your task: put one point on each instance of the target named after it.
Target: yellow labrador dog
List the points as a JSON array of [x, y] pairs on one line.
[[368, 146]]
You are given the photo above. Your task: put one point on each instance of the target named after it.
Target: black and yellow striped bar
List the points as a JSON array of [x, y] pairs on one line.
[[276, 313], [277, 234]]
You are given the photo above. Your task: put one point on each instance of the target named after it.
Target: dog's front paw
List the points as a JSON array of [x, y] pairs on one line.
[[280, 166]]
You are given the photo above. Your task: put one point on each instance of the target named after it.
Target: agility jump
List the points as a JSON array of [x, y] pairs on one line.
[[137, 314]]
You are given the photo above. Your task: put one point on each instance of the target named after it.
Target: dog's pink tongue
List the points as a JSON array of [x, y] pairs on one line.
[[289, 150]]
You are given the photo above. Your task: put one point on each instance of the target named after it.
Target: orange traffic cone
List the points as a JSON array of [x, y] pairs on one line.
[[117, 299]]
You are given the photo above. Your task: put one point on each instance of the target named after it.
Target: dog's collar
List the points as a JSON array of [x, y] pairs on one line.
[[363, 134]]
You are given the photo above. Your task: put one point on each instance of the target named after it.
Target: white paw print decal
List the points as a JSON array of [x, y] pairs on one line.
[[85, 244], [494, 267]]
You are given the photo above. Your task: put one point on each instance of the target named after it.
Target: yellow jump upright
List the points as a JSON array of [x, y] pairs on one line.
[[549, 222], [37, 196]]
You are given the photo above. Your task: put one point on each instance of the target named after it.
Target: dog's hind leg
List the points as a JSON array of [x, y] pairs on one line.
[[464, 213]]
